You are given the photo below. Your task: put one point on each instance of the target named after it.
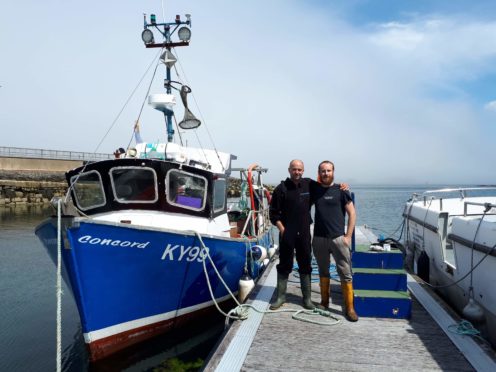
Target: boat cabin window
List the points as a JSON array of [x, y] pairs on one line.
[[134, 184], [219, 194], [186, 190], [88, 190]]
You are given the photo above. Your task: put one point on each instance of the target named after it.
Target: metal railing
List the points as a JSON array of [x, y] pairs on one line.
[[462, 191], [487, 206], [19, 152]]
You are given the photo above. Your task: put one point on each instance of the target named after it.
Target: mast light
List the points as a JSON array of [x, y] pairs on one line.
[[184, 34], [147, 36], [153, 19]]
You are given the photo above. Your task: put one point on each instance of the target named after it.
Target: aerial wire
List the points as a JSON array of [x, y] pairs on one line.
[[147, 92], [127, 101], [198, 108]]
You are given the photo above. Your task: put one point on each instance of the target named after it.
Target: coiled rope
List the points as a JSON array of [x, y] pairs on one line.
[[464, 327], [241, 311]]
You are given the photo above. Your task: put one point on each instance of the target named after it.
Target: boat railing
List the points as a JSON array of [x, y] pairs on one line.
[[427, 196], [251, 220], [487, 206], [20, 152]]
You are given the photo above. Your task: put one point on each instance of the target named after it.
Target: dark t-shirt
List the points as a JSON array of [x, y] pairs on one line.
[[330, 203]]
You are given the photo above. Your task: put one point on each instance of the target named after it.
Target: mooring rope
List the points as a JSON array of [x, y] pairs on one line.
[[59, 285], [464, 327], [240, 312]]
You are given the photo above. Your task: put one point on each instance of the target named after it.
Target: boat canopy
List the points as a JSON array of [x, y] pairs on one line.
[[147, 184]]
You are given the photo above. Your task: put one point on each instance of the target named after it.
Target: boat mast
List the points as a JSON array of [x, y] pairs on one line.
[[167, 29]]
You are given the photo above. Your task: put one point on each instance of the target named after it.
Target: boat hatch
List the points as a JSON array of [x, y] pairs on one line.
[[444, 229], [448, 251], [186, 190], [134, 184], [88, 190]]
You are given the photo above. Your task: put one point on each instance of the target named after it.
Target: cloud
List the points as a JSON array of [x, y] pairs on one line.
[[490, 106], [385, 101], [443, 48]]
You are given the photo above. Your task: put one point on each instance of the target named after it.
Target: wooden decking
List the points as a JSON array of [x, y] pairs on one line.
[[276, 342]]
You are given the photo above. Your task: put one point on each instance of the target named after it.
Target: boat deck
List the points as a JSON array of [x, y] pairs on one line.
[[276, 342]]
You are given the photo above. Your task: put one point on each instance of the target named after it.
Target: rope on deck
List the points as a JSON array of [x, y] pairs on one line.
[[464, 327], [241, 311]]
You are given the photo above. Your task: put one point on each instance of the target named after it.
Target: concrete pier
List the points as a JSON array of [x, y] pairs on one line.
[[277, 342]]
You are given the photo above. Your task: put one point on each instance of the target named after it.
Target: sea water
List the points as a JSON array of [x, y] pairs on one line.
[[28, 300], [28, 312]]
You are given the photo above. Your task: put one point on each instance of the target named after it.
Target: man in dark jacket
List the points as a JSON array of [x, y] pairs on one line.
[[290, 212]]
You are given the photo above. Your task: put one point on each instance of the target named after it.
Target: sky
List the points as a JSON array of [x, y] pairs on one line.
[[391, 91]]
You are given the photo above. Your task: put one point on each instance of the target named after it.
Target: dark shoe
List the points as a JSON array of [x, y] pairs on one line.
[[282, 285], [350, 314], [306, 290]]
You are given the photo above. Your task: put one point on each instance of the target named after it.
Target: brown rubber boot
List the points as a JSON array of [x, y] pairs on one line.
[[324, 293], [350, 314]]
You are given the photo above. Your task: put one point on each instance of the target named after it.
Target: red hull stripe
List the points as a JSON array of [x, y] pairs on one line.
[[104, 347]]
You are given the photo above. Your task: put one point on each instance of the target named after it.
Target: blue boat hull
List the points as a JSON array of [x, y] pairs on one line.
[[131, 283]]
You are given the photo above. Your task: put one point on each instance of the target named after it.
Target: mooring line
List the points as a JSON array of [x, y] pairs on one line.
[[59, 286]]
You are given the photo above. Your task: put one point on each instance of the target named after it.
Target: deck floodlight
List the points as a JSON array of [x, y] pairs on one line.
[[147, 36], [184, 34]]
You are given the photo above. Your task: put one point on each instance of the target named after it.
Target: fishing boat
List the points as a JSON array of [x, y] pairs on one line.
[[451, 245], [147, 240]]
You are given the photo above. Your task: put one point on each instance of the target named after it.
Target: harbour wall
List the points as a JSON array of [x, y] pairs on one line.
[[14, 193], [39, 165], [30, 181], [34, 176]]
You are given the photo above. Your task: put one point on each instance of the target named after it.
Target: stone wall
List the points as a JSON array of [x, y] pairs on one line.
[[32, 188]]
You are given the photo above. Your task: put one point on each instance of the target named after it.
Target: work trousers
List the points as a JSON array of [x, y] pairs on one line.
[[301, 245], [322, 250]]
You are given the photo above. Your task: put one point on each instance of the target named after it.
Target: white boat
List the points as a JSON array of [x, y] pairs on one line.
[[450, 244]]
